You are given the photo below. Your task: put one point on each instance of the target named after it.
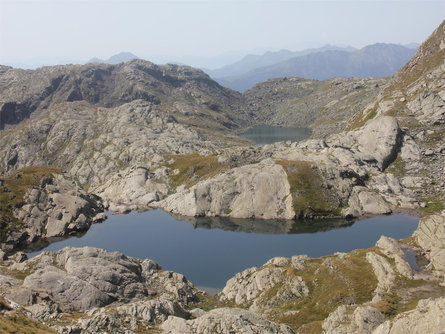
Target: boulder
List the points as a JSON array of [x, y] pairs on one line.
[[364, 201]]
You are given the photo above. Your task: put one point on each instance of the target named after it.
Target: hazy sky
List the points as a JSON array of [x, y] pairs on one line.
[[82, 29]]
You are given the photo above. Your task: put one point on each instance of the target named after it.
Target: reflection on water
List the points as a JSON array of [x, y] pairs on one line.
[[267, 134], [263, 226], [209, 251]]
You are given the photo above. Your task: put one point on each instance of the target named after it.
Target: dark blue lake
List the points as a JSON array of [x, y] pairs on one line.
[[267, 134], [209, 251]]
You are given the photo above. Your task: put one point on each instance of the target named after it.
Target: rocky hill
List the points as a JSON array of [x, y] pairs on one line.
[[323, 106], [93, 119], [378, 60]]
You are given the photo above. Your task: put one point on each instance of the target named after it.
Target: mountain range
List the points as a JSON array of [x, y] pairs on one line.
[[377, 60]]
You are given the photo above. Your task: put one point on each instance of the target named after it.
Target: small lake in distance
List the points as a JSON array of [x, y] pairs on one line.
[[209, 251], [267, 134]]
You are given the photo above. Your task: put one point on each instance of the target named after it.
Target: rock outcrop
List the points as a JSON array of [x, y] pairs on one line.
[[430, 235], [362, 320], [53, 207], [416, 97], [109, 290], [224, 321], [260, 190]]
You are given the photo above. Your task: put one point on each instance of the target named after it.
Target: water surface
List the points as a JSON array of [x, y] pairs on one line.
[[209, 251], [267, 134]]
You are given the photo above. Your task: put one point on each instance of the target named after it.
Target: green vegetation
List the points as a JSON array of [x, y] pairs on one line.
[[207, 303], [192, 168], [437, 136], [397, 168], [359, 120], [332, 281], [18, 323], [434, 204], [14, 188], [310, 196], [406, 295]]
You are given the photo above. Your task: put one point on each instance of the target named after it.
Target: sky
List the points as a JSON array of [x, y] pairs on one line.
[[43, 32]]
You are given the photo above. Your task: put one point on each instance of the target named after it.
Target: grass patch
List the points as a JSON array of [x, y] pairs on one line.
[[359, 120], [397, 168], [406, 295], [17, 323], [434, 204], [208, 303], [310, 197], [192, 169], [389, 305]]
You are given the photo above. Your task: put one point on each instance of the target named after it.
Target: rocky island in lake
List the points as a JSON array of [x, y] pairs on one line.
[[77, 140]]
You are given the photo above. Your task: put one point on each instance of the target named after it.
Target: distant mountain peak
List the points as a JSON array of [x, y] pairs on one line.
[[121, 57]]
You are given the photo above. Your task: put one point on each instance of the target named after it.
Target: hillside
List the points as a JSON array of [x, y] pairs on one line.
[[416, 97], [378, 60], [95, 119], [323, 106]]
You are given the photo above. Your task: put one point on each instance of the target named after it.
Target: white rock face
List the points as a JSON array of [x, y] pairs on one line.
[[383, 271], [376, 141], [224, 321], [431, 232], [363, 201], [392, 249], [258, 190], [133, 187], [427, 317], [430, 235]]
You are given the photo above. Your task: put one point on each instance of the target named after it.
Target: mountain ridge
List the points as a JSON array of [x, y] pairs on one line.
[[378, 60]]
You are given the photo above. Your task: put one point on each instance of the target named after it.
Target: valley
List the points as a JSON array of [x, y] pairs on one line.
[[77, 140]]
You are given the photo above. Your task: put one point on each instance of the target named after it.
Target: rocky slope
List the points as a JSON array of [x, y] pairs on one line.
[[323, 106], [416, 97], [88, 290], [96, 120]]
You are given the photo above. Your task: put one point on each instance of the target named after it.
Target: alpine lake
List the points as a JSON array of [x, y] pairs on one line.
[[211, 250]]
